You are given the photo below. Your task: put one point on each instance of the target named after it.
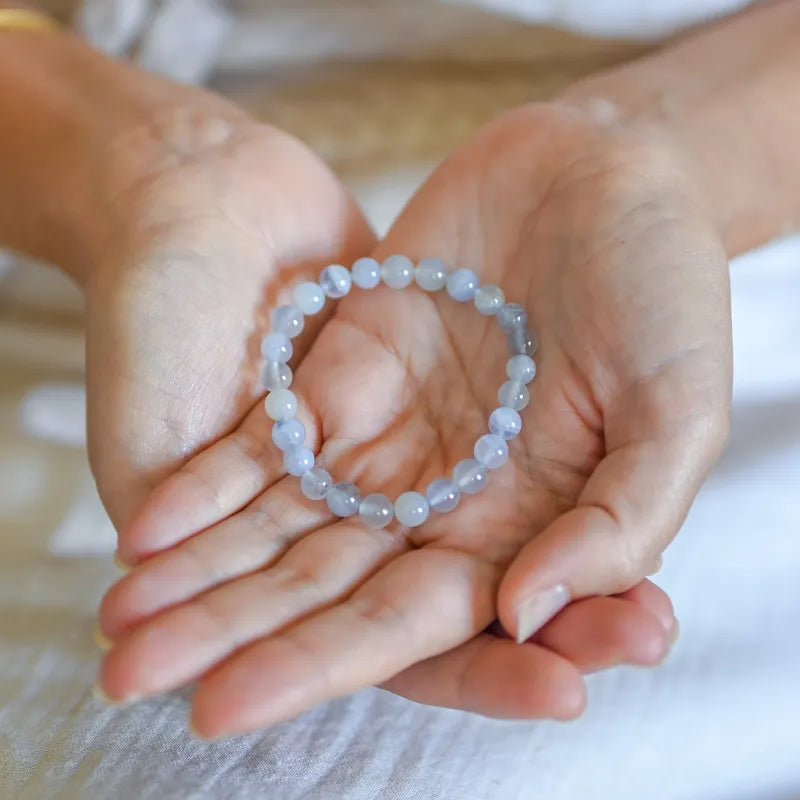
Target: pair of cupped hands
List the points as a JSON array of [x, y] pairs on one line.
[[263, 598]]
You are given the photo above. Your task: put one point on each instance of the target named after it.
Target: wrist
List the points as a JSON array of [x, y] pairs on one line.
[[80, 130]]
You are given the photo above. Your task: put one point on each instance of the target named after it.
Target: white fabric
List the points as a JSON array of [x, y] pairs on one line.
[[720, 720]]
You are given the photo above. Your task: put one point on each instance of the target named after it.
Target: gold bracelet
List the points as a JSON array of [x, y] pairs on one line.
[[26, 19]]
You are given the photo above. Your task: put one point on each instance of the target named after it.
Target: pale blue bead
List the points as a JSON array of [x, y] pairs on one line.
[[275, 375], [288, 320], [521, 368], [470, 476], [398, 272], [276, 347], [366, 273], [489, 299], [335, 280], [443, 495], [411, 509], [512, 315], [315, 483], [522, 341], [309, 297], [491, 451], [343, 499], [514, 395], [376, 510], [462, 284], [298, 460], [505, 422], [281, 404], [431, 274], [288, 433]]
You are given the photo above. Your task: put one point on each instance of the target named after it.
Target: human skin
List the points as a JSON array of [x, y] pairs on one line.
[[612, 221]]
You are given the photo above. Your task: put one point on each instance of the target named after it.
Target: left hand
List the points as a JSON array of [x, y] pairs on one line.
[[599, 235]]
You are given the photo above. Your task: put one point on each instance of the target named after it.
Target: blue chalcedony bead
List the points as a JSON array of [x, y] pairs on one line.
[[315, 483], [514, 395], [489, 299], [281, 404], [505, 422], [288, 320], [491, 450], [366, 273], [298, 460], [512, 315], [462, 284], [276, 375], [522, 341], [443, 495], [431, 274], [470, 476], [398, 272], [309, 297], [376, 510], [276, 347], [288, 433], [411, 509], [335, 280], [521, 368], [343, 499]]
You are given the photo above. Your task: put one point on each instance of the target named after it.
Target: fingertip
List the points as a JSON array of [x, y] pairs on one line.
[[571, 702]]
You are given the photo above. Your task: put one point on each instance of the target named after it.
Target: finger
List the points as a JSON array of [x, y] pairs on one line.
[[182, 643], [424, 603], [602, 632], [492, 676], [631, 507], [496, 678], [210, 487], [244, 543]]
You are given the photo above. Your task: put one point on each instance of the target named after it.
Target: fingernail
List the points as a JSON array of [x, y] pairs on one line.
[[539, 609], [674, 633], [100, 694], [120, 564], [656, 566], [101, 640]]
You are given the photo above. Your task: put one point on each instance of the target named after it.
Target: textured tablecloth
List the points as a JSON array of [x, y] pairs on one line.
[[720, 720]]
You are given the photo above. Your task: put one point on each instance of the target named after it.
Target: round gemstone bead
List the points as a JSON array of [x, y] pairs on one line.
[[522, 341], [343, 499], [276, 376], [521, 368], [470, 476], [411, 509], [315, 483], [431, 274], [505, 422], [376, 510], [514, 394], [335, 280], [491, 451], [288, 320], [462, 284], [489, 299], [309, 297], [288, 433], [281, 404], [512, 315], [443, 495], [398, 272], [366, 273], [298, 460], [276, 347]]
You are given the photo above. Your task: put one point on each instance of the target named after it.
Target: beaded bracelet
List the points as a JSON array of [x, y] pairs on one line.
[[491, 450]]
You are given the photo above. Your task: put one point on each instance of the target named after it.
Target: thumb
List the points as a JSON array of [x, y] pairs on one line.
[[629, 510]]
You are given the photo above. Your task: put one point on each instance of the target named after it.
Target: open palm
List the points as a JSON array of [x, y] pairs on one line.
[[625, 283]]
